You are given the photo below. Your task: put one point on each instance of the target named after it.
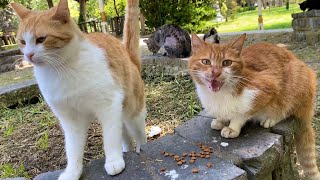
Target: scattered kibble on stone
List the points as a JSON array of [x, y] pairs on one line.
[[195, 170], [176, 156], [207, 156], [179, 163], [166, 154], [162, 152], [162, 169], [192, 161], [209, 165], [184, 154]]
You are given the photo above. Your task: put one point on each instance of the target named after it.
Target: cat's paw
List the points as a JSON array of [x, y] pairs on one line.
[[114, 167], [216, 124], [227, 132], [67, 175], [267, 123]]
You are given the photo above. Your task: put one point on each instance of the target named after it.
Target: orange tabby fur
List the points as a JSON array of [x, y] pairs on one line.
[[124, 58], [86, 77], [286, 86]]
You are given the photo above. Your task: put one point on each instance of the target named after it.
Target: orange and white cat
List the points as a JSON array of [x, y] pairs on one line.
[[85, 78], [262, 82]]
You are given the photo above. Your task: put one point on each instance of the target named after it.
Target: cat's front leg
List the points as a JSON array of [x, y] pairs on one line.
[[110, 119], [75, 132], [234, 128], [218, 123]]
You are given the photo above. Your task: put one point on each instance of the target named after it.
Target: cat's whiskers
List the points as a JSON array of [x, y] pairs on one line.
[[56, 61]]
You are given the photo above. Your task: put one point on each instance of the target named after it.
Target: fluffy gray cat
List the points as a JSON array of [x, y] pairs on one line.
[[175, 41]]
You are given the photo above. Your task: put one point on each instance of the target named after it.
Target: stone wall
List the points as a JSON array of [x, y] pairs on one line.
[[306, 26]]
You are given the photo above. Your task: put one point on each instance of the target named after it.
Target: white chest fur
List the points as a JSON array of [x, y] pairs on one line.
[[223, 104], [81, 84]]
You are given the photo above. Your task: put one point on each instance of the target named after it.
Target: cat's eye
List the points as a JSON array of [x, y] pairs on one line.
[[23, 42], [206, 61], [226, 63], [40, 39]]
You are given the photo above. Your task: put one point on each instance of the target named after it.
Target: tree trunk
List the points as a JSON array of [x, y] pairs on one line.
[[82, 15], [287, 4], [142, 23], [50, 3]]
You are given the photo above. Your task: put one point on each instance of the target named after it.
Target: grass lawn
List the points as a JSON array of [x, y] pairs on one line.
[[273, 18]]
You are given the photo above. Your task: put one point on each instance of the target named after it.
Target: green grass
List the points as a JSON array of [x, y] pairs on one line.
[[275, 18], [9, 171]]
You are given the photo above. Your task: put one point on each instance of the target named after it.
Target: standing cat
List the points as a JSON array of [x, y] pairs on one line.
[[87, 77], [310, 5], [262, 82], [211, 36], [175, 41]]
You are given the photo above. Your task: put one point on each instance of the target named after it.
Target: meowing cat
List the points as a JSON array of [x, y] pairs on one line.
[[175, 41], [310, 5], [211, 36], [263, 82], [85, 78]]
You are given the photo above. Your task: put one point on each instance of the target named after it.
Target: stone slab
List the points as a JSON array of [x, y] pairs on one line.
[[259, 149], [312, 13], [136, 168], [177, 145], [19, 92]]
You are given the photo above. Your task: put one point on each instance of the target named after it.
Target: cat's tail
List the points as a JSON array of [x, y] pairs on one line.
[[305, 135], [131, 31]]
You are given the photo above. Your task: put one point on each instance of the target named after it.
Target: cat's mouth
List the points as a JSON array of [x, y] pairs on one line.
[[215, 85]]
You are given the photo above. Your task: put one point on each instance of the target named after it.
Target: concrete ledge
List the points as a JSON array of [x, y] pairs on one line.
[[19, 92], [257, 153]]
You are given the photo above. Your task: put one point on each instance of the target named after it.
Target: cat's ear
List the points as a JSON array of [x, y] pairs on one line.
[[20, 10], [238, 44], [197, 43], [61, 12]]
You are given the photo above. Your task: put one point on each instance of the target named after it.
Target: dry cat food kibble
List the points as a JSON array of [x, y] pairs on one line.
[[195, 170], [162, 169], [190, 156]]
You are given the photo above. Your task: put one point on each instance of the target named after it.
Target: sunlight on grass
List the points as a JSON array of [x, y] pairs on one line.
[[273, 18]]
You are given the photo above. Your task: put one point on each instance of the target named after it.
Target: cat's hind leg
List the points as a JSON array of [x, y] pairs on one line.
[[270, 122], [127, 141], [136, 128], [75, 131], [110, 117]]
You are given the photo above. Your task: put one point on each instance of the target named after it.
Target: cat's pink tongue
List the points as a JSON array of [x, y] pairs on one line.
[[215, 85]]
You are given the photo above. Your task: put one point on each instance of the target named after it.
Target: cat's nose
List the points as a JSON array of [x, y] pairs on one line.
[[216, 73], [29, 55]]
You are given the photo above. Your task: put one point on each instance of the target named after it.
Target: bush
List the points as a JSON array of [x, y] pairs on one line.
[[190, 15]]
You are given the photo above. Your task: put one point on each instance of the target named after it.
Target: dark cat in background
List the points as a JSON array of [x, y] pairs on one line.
[[211, 36], [175, 41], [310, 5]]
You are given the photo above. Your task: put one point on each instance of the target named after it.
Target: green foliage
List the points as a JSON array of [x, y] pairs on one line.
[[112, 10], [189, 15], [9, 171], [43, 142]]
